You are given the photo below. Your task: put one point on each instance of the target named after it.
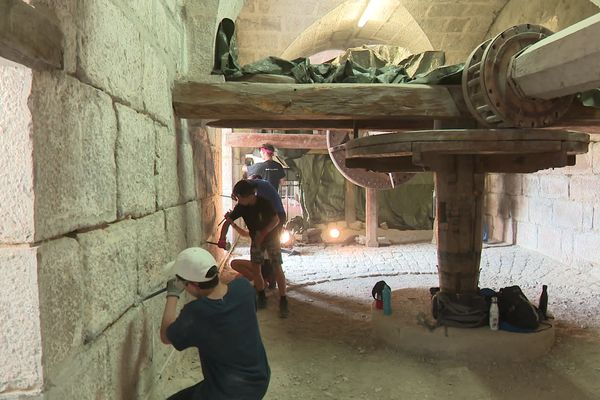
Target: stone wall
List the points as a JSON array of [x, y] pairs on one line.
[[553, 211], [98, 191]]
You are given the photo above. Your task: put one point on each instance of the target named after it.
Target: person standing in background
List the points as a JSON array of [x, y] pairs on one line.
[[269, 169]]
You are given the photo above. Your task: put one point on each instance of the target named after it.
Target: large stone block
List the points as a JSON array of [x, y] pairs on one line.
[[142, 11], [152, 254], [527, 235], [75, 130], [61, 294], [136, 193], [185, 166], [156, 88], [110, 274], [554, 186], [193, 224], [88, 375], [567, 214], [165, 177], [130, 355], [110, 58], [520, 208], [596, 218], [168, 31], [549, 241], [595, 151], [175, 231], [531, 185], [540, 210], [587, 246], [16, 162], [585, 188], [20, 341], [494, 183], [513, 184]]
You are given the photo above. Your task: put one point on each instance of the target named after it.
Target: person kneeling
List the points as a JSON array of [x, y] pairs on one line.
[[221, 323]]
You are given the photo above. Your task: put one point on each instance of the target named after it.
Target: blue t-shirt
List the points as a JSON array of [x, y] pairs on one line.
[[266, 190], [226, 333]]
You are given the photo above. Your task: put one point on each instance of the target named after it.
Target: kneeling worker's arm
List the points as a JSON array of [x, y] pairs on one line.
[[174, 289]]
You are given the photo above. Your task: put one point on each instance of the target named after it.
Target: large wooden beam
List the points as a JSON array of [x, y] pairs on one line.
[[334, 124], [29, 36], [341, 101], [282, 141], [561, 64]]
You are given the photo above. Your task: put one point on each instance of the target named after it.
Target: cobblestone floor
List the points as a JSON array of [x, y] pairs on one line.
[[352, 270]]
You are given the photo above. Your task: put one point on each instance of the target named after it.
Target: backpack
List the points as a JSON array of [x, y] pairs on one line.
[[516, 309], [463, 311]]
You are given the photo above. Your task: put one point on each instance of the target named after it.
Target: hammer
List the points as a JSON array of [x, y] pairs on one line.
[[227, 245]]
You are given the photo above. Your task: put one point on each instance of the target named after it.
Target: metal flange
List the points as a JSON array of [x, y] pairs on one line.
[[488, 89], [360, 176]]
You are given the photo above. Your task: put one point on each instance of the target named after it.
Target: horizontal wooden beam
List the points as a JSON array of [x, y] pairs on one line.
[[333, 124], [338, 101], [30, 36], [282, 141]]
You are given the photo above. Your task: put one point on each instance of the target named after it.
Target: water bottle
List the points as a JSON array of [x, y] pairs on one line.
[[387, 300], [494, 314], [543, 303]]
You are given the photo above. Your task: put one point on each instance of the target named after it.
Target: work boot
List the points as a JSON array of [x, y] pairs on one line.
[[261, 300], [283, 307]]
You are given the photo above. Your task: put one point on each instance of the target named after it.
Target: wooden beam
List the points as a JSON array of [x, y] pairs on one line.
[[334, 124], [371, 223], [562, 64], [341, 101], [283, 141], [30, 36]]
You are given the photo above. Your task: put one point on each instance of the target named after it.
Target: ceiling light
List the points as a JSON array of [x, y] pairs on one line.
[[366, 15]]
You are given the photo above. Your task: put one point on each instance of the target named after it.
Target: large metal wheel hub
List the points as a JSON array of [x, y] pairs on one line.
[[489, 92]]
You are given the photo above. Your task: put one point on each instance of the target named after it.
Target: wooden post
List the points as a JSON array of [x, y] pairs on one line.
[[459, 207], [350, 203], [371, 218]]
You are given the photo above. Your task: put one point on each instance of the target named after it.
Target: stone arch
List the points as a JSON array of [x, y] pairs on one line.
[[391, 24]]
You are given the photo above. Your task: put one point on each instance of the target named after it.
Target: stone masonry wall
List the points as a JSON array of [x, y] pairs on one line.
[[555, 212], [98, 192]]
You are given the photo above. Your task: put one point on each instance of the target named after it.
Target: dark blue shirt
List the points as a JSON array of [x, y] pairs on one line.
[[226, 333], [256, 216], [270, 170], [266, 190]]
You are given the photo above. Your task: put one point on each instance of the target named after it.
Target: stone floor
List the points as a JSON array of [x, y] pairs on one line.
[[333, 269], [326, 350]]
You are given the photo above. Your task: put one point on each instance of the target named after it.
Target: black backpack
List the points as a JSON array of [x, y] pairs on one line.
[[464, 311], [516, 309]]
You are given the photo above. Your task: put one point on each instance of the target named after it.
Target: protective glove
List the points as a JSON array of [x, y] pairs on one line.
[[174, 287], [222, 243]]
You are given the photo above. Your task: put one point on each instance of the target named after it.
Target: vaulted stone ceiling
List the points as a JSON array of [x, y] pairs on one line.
[[294, 28]]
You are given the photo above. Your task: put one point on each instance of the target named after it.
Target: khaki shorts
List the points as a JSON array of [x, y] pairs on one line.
[[271, 246]]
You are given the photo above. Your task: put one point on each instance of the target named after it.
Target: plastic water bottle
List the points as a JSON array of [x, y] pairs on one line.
[[494, 314], [387, 300]]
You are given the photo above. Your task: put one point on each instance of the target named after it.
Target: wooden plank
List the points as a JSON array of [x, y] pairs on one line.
[[562, 64], [333, 124], [30, 36], [283, 141], [256, 101]]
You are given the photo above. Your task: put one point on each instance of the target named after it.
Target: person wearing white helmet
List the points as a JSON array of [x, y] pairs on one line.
[[221, 323]]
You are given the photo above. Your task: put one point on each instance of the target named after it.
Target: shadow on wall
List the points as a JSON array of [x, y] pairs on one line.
[[132, 363]]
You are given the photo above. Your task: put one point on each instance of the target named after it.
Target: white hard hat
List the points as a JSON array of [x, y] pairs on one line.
[[195, 264]]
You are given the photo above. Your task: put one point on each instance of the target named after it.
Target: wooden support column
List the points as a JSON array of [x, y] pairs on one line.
[[30, 36], [561, 64], [459, 207], [350, 202], [371, 218]]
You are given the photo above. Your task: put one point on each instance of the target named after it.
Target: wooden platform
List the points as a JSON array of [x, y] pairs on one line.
[[337, 106]]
